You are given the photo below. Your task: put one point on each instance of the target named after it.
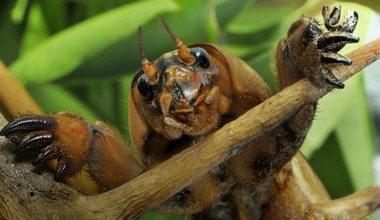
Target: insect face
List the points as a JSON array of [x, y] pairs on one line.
[[179, 90], [187, 85], [182, 90]]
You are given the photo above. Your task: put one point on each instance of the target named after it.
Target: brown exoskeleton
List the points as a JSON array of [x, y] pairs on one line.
[[186, 94]]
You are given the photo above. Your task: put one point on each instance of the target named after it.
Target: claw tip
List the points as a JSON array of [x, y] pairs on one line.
[[336, 84]]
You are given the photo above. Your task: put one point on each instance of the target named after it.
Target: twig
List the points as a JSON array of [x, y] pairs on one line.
[[10, 89]]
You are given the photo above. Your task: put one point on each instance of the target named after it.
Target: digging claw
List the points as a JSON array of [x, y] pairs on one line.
[[63, 136], [47, 153], [335, 41], [20, 127], [34, 140], [331, 79], [34, 133], [332, 19], [333, 59], [28, 123], [329, 43], [60, 172]]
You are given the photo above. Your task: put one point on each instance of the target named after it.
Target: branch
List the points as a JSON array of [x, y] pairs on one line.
[[160, 183], [10, 89]]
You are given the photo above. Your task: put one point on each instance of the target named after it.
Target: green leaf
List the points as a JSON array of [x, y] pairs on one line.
[[65, 51], [123, 57], [60, 100], [263, 65], [36, 30], [257, 18], [54, 13], [227, 10], [243, 50], [344, 160], [11, 30], [123, 99], [372, 4], [329, 112], [330, 166], [355, 136]]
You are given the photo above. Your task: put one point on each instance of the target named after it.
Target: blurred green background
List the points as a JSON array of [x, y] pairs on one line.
[[80, 56]]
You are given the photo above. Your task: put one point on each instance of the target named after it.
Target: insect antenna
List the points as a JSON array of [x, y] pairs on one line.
[[183, 50], [149, 69]]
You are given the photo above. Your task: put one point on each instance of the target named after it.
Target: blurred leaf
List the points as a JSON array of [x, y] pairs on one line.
[[102, 96], [253, 38], [244, 49], [36, 31], [227, 10], [84, 40], [358, 149], [255, 18], [263, 65], [330, 166], [329, 112], [123, 57], [372, 4], [344, 159], [54, 13], [67, 102], [123, 111], [11, 29]]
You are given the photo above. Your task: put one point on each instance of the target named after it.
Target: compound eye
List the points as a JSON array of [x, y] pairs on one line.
[[144, 88], [201, 57]]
